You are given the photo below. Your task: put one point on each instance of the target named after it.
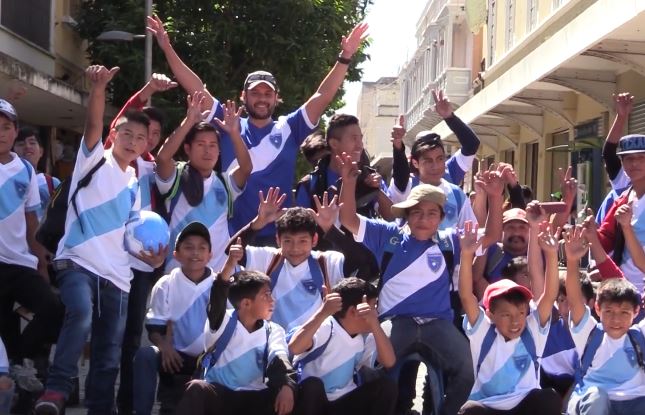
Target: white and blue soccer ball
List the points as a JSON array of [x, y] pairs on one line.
[[146, 232]]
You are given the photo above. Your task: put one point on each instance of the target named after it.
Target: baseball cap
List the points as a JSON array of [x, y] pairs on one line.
[[502, 287], [193, 228], [425, 138], [514, 214], [258, 77], [421, 193], [630, 144], [8, 110]]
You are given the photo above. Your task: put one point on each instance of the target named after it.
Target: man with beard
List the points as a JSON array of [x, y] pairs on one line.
[[515, 237], [273, 145]]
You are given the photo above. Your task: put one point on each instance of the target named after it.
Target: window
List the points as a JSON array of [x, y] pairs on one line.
[[636, 124], [510, 24], [29, 19], [492, 27], [532, 15], [507, 156]]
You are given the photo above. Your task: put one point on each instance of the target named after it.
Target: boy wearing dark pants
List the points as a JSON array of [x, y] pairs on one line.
[[340, 338], [507, 338], [246, 349], [175, 321], [93, 268]]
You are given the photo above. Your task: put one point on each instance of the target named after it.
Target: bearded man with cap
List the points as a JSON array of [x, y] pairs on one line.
[[415, 276], [273, 145]]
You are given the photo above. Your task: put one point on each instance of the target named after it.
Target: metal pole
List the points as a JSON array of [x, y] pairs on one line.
[[148, 52]]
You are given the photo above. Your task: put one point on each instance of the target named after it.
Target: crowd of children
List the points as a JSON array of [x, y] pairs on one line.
[[321, 302]]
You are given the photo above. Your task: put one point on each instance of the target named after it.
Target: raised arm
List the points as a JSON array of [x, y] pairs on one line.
[[99, 76], [569, 189], [493, 186], [400, 165], [624, 103], [624, 219], [536, 216], [548, 240], [575, 247], [319, 101], [303, 339], [465, 135], [469, 245], [231, 124], [349, 172], [186, 77]]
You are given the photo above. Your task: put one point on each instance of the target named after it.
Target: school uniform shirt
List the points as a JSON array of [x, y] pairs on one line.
[[620, 183], [416, 282], [614, 367], [507, 373], [457, 208], [341, 358], [273, 150], [296, 295], [95, 239], [242, 364], [4, 360], [212, 212], [178, 299], [146, 177], [18, 195], [45, 193], [631, 271], [559, 357], [457, 166]]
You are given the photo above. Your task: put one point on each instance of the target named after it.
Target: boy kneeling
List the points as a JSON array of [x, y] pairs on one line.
[[340, 338]]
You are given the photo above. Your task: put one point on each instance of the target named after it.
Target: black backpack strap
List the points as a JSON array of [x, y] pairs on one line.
[[323, 269], [84, 182]]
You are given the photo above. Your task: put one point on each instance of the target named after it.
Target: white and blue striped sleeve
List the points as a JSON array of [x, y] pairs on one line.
[[159, 311], [32, 202]]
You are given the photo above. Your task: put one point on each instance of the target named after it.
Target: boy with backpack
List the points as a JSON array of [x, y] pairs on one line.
[[611, 373], [343, 336], [507, 337], [246, 369], [416, 264], [93, 268], [197, 190]]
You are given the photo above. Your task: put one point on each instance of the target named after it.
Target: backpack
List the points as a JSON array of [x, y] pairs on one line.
[[50, 184], [594, 340], [210, 357], [494, 258], [52, 227], [527, 340], [317, 267]]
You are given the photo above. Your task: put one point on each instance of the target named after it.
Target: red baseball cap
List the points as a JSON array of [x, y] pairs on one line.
[[502, 287]]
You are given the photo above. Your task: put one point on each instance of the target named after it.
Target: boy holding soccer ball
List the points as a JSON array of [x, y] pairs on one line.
[[93, 269]]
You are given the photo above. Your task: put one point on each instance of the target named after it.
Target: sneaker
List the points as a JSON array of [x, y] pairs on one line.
[[25, 376], [51, 403]]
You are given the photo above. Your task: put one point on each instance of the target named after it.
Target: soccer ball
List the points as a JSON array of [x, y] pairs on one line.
[[145, 233]]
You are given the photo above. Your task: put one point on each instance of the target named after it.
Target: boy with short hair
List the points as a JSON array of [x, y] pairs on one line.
[[175, 321], [611, 374], [93, 286], [197, 190], [343, 336], [507, 337], [246, 349], [297, 272]]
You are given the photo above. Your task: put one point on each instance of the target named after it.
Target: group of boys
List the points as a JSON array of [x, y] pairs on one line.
[[252, 328]]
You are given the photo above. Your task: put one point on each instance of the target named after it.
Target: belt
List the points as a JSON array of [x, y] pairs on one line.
[[65, 264]]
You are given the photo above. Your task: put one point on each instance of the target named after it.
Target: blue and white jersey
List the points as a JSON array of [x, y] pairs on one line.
[[241, 365], [416, 281], [4, 360], [146, 177], [18, 194], [457, 208], [559, 357], [457, 166], [95, 239], [341, 358], [273, 151], [614, 367], [620, 183], [45, 194], [507, 373], [178, 299], [629, 268], [296, 295], [212, 212]]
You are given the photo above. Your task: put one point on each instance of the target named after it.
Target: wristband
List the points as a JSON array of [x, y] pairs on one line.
[[344, 61]]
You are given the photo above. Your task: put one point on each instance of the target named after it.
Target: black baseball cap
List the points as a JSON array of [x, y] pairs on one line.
[[425, 139], [258, 77], [193, 228]]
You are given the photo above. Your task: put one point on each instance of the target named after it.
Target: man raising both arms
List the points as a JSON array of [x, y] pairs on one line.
[[273, 145]]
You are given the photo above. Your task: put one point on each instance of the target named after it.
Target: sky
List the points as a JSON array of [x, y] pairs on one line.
[[392, 26]]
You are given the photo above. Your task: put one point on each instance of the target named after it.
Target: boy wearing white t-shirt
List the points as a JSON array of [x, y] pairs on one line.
[[507, 337], [196, 191], [92, 266], [7, 385], [343, 336], [611, 374]]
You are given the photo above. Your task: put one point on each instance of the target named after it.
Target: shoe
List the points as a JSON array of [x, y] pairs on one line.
[[51, 403], [25, 376]]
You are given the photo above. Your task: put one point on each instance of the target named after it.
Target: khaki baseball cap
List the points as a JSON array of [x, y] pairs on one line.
[[421, 193]]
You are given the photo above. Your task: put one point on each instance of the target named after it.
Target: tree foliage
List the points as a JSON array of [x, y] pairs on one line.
[[222, 41]]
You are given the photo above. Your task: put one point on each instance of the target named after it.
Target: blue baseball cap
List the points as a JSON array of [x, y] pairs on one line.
[[8, 111], [630, 144]]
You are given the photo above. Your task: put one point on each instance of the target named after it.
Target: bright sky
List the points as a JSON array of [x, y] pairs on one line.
[[392, 28]]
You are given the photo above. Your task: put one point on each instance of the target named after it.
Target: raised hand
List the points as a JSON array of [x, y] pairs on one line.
[[350, 43], [568, 186], [160, 82], [348, 167], [547, 239], [624, 215], [368, 313], [491, 181], [332, 303], [99, 75], [442, 104], [326, 212], [373, 180], [231, 122], [575, 243], [469, 240], [623, 103], [193, 110], [398, 132], [270, 208], [235, 252], [535, 215], [508, 174], [155, 26]]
